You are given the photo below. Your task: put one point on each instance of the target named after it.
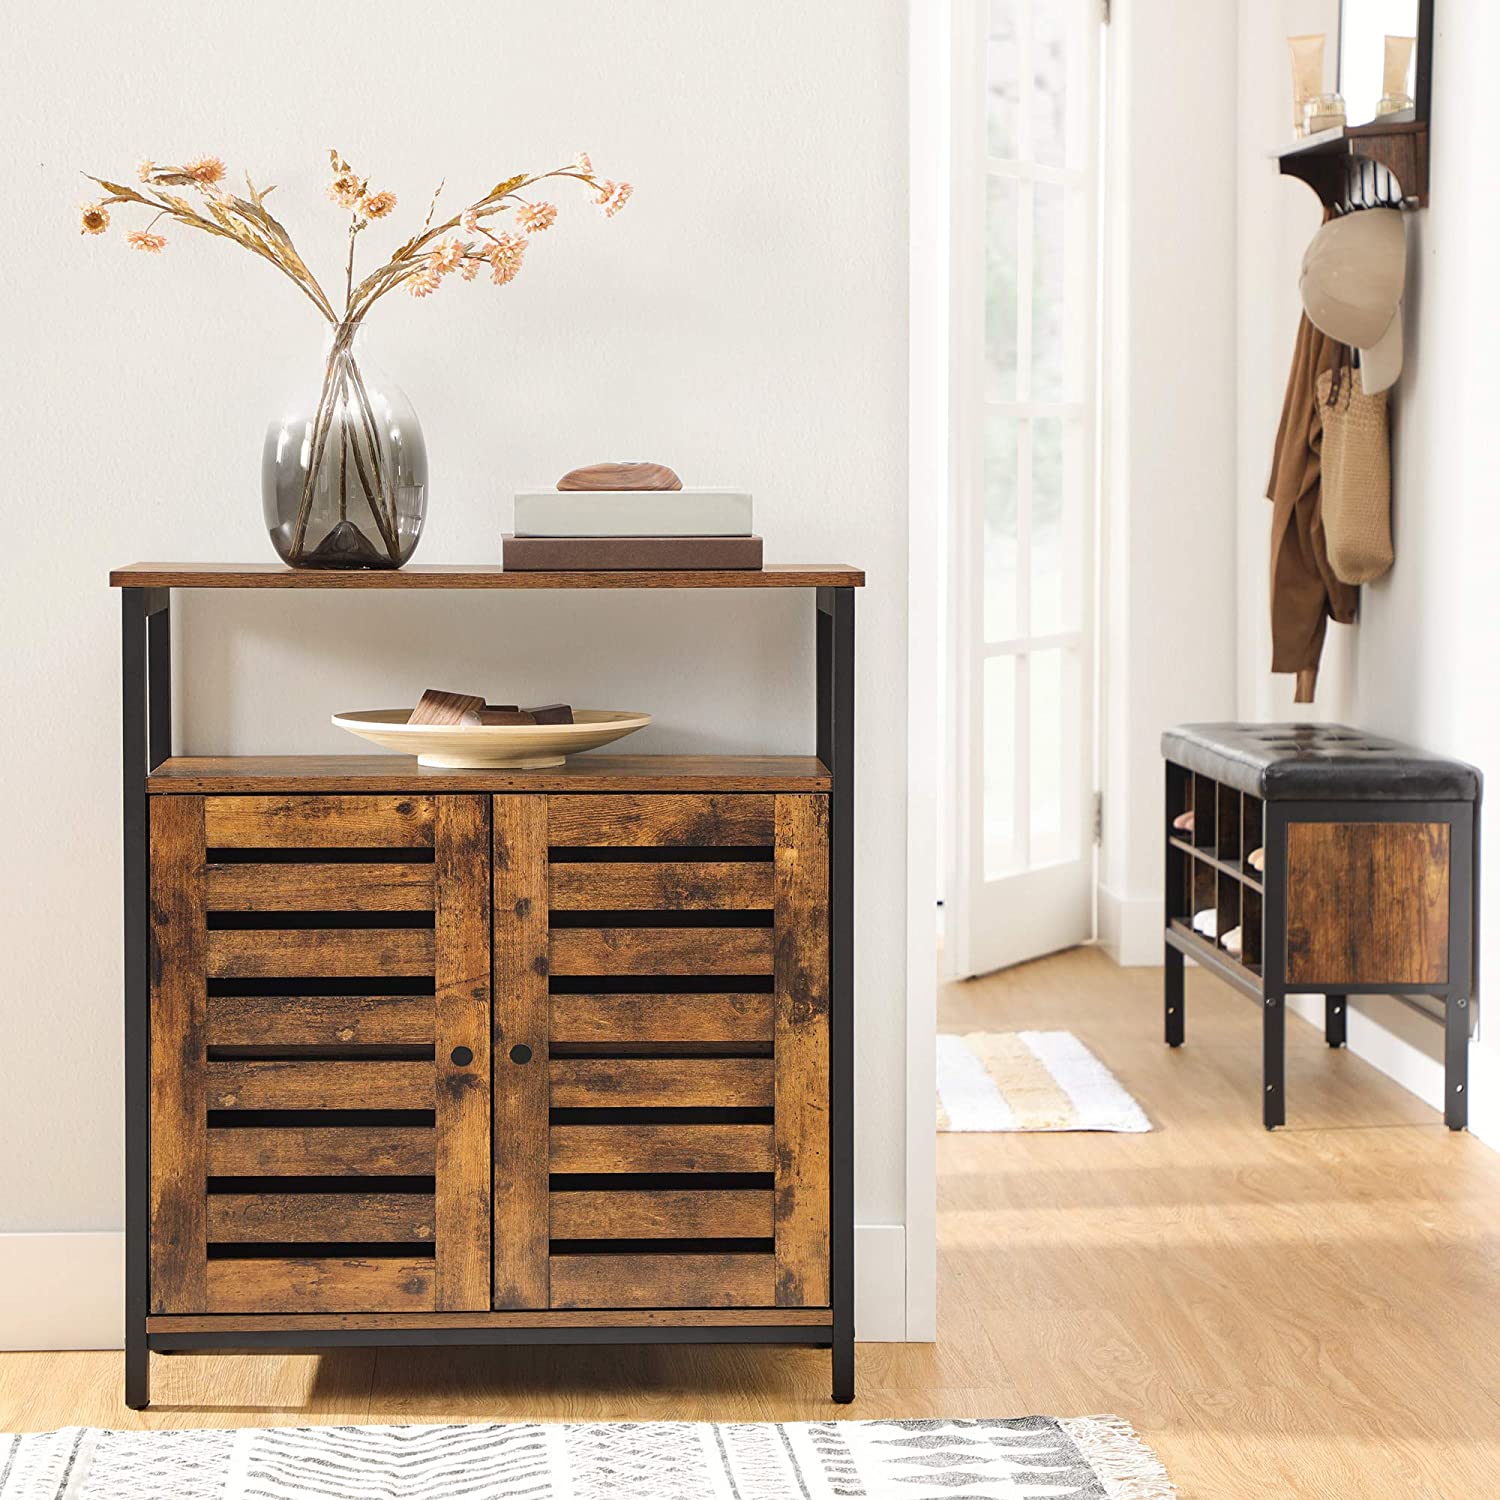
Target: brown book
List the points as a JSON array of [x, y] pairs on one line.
[[546, 554]]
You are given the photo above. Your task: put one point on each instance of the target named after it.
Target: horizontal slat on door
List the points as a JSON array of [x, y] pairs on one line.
[[640, 821], [661, 950], [386, 886], [674, 1214], [369, 1218], [663, 1280], [323, 1151], [320, 952], [321, 1020], [662, 1082], [321, 1285], [661, 1148], [360, 822], [675, 885], [662, 1018], [318, 1084]]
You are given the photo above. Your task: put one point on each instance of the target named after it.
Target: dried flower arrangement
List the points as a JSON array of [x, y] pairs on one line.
[[466, 243]]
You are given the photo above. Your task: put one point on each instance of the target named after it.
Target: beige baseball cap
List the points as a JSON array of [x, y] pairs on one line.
[[1353, 277]]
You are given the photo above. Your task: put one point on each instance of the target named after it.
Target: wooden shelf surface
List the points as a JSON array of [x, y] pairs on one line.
[[216, 775], [177, 575], [1245, 977], [1245, 874]]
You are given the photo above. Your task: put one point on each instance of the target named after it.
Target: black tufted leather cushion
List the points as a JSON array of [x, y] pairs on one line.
[[1318, 763]]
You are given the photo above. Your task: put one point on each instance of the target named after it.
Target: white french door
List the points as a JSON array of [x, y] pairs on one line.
[[1024, 288]]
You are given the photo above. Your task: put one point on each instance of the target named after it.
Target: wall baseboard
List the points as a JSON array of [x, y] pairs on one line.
[[1130, 928], [75, 1288]]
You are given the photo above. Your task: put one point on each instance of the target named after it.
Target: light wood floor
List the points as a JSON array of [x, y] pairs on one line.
[[1310, 1313]]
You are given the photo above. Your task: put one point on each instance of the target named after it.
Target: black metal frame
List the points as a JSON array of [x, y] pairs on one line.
[[146, 718], [1272, 987]]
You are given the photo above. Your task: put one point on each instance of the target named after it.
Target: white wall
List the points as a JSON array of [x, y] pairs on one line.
[[744, 320], [1170, 574], [1420, 660]]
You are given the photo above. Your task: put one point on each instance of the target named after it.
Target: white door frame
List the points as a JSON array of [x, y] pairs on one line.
[[931, 59]]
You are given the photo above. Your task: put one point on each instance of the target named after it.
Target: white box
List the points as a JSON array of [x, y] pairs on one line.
[[686, 512]]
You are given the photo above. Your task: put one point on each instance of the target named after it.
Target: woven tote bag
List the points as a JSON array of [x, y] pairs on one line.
[[1356, 477]]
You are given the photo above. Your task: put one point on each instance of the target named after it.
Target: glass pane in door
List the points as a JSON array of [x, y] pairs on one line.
[[1001, 309], [1001, 524], [1001, 854], [1003, 69]]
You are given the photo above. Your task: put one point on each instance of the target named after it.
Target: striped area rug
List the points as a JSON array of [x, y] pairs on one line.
[[1029, 1080], [1026, 1458]]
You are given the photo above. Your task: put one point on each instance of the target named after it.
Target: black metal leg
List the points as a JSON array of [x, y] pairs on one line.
[[1273, 1109], [1174, 997], [133, 716], [835, 745], [1456, 1062], [1336, 1019], [146, 739], [843, 1367]]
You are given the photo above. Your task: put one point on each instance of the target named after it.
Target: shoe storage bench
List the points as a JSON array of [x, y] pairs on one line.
[[422, 1056], [1368, 886]]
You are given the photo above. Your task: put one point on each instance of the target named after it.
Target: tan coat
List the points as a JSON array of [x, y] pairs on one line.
[[1304, 591]]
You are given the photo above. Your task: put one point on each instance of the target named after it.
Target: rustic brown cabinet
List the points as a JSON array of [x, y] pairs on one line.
[[489, 1056]]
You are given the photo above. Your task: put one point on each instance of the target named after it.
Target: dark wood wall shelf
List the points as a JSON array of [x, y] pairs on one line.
[[1362, 166], [421, 1056]]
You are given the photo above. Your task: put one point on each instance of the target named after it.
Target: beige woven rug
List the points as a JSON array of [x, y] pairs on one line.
[[1028, 1080]]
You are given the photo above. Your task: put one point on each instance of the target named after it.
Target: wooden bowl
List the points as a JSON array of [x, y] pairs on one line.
[[480, 746]]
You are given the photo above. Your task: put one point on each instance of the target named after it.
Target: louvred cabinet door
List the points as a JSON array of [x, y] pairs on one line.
[[320, 1070], [662, 1047]]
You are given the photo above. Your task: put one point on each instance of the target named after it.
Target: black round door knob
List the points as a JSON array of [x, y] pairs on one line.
[[520, 1053], [462, 1056]]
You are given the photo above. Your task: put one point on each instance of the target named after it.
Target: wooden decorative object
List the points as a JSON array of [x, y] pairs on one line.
[[465, 1056], [493, 737], [437, 707], [618, 476]]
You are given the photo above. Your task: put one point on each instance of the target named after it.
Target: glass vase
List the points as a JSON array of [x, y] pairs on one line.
[[344, 471]]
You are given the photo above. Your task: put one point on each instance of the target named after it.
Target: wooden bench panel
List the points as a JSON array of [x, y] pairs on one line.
[[662, 950], [323, 1151], [383, 886], [353, 822], [662, 1082], [670, 1214], [614, 821], [662, 1018], [673, 885], [317, 1284], [401, 1218], [320, 953], [320, 1084], [662, 1148], [663, 1280]]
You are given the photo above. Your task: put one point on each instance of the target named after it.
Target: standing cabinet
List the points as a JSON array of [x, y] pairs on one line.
[[467, 1057], [451, 1053]]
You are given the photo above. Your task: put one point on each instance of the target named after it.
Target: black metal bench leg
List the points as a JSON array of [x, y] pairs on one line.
[[1174, 1000], [1274, 1069], [1336, 1019], [843, 1366], [1456, 1062], [137, 1371]]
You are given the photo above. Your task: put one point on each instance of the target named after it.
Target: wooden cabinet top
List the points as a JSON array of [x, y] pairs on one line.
[[177, 575]]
